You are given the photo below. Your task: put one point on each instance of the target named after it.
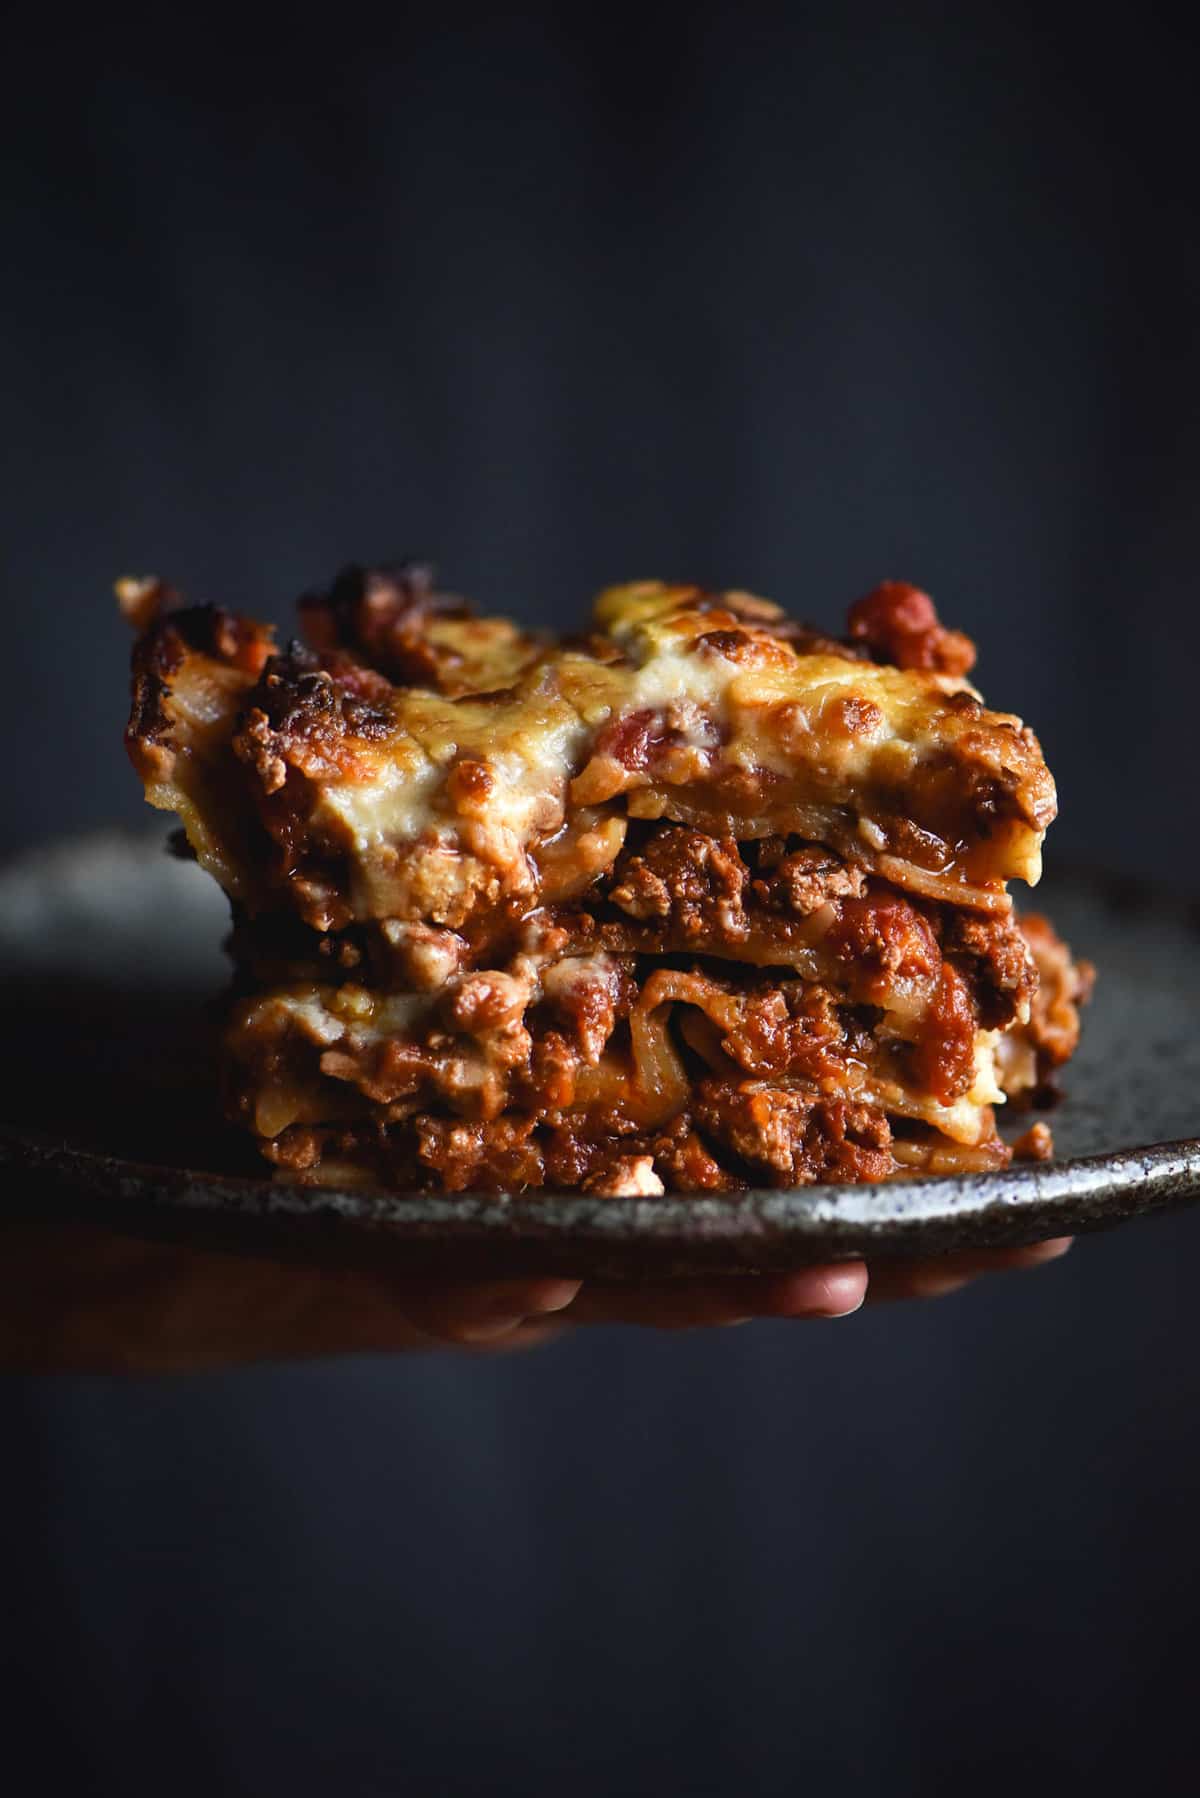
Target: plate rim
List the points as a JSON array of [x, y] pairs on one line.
[[679, 1233]]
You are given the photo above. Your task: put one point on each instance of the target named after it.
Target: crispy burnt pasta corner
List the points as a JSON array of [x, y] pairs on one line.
[[699, 899]]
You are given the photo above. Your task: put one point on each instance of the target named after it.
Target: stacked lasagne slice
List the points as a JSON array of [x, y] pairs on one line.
[[695, 900]]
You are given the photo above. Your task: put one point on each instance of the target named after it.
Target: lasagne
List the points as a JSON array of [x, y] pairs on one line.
[[698, 899]]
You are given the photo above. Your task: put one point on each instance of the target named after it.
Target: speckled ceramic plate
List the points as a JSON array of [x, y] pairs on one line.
[[110, 953]]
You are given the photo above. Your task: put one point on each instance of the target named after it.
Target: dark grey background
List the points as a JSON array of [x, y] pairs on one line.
[[783, 299]]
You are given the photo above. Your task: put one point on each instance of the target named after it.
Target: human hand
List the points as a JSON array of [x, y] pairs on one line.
[[836, 1290], [83, 1299]]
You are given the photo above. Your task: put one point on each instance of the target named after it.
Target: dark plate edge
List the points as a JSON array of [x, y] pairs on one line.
[[671, 1236]]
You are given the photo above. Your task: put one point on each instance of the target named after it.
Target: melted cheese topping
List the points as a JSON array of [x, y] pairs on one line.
[[698, 717], [682, 710]]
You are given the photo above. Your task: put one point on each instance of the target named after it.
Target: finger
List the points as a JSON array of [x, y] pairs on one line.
[[942, 1274], [86, 1300], [828, 1292], [834, 1291], [480, 1311]]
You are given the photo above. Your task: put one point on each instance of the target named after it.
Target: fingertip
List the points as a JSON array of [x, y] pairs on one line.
[[845, 1288], [1037, 1254], [545, 1297], [836, 1291], [480, 1311], [524, 1298], [517, 1303]]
